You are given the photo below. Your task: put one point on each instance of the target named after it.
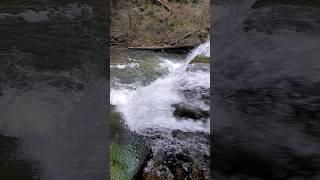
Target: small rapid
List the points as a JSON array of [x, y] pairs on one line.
[[149, 106]]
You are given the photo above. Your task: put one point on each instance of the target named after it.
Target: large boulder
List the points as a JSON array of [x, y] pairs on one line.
[[190, 112], [127, 159]]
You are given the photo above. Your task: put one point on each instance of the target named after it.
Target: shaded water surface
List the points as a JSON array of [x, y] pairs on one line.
[[266, 90], [52, 80]]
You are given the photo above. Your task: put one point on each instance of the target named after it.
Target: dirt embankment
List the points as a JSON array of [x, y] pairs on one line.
[[144, 23]]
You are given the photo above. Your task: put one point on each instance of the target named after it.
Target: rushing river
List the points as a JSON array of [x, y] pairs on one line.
[[146, 89]]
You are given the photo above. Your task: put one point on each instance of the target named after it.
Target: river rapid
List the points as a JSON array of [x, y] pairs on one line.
[[154, 82], [146, 86]]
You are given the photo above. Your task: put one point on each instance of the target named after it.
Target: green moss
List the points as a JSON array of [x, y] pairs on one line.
[[125, 160], [127, 150], [200, 59]]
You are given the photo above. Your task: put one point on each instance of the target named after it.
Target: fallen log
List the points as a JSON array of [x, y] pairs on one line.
[[118, 44], [166, 48]]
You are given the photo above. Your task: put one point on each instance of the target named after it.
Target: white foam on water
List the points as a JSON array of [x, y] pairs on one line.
[[150, 106], [203, 49], [170, 65], [120, 97], [123, 66], [119, 66]]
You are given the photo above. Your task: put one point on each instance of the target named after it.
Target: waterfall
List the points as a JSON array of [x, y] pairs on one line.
[[149, 106]]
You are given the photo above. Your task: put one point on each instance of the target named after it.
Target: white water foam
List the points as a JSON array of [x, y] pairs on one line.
[[123, 66], [170, 65], [150, 106], [203, 49]]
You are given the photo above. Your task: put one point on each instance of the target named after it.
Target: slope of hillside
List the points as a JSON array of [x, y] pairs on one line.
[[160, 22]]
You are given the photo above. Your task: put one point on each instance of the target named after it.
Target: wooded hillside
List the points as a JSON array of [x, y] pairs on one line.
[[160, 22]]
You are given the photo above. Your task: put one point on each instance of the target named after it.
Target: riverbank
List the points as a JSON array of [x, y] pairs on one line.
[[145, 23]]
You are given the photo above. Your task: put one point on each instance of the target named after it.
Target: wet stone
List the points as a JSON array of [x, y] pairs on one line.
[[182, 111], [176, 166]]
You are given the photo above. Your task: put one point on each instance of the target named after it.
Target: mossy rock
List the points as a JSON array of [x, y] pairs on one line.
[[200, 59], [128, 151], [127, 159]]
